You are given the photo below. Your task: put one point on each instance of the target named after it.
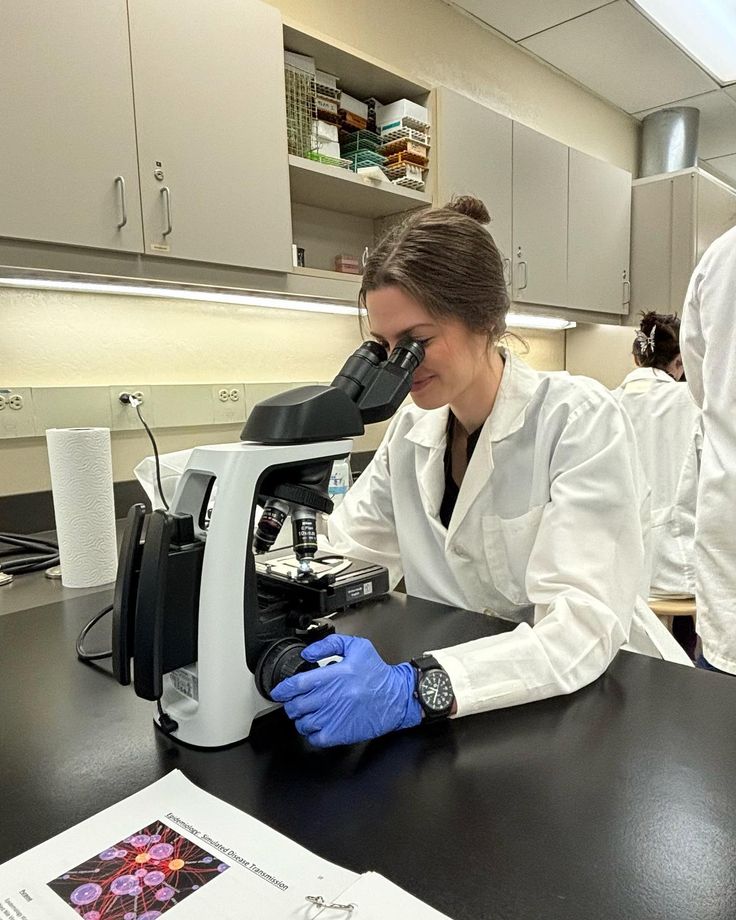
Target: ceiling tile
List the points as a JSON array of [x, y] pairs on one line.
[[731, 90], [725, 165], [717, 135], [520, 18], [621, 56]]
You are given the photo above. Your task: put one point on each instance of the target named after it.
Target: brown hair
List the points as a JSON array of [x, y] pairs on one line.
[[657, 343], [445, 260]]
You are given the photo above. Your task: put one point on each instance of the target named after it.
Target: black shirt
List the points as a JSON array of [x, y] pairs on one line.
[[452, 490]]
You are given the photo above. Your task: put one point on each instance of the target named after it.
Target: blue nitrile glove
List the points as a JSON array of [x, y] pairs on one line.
[[358, 698]]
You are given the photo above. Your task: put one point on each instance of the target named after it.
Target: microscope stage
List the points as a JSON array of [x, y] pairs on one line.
[[336, 581]]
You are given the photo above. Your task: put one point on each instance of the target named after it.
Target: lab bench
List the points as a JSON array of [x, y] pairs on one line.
[[616, 802]]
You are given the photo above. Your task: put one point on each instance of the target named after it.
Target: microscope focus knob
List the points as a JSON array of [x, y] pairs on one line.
[[280, 660]]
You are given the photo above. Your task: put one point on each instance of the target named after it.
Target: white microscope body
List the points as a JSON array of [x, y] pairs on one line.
[[215, 700]]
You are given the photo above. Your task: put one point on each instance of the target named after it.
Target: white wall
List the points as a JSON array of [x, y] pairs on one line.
[[64, 339], [601, 352]]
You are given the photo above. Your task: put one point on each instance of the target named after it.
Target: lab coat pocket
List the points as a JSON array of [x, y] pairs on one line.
[[508, 546], [662, 517]]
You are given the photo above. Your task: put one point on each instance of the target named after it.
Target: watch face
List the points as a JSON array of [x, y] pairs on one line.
[[435, 690]]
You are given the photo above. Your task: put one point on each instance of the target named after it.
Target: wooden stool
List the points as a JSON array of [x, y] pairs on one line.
[[668, 607]]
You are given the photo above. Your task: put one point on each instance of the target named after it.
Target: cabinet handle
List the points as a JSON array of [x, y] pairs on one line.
[[507, 271], [166, 193], [526, 276], [627, 292], [120, 182]]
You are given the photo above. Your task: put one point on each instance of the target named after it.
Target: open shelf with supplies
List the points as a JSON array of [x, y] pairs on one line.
[[335, 189], [335, 99]]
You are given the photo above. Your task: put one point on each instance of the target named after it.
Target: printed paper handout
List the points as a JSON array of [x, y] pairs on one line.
[[175, 848]]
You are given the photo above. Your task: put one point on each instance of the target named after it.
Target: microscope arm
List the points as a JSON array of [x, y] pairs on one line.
[[156, 603], [126, 594]]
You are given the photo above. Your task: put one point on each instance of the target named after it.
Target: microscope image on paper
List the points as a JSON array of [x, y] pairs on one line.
[[138, 878]]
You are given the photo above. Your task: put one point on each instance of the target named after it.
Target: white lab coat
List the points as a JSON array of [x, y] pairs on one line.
[[666, 423], [708, 343], [546, 531]]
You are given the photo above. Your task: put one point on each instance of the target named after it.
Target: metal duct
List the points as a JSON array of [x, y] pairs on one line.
[[669, 140]]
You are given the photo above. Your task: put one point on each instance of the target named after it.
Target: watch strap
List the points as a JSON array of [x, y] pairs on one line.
[[426, 663]]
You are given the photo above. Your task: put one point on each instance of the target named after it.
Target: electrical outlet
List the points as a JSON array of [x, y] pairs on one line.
[[17, 418], [123, 416], [228, 403]]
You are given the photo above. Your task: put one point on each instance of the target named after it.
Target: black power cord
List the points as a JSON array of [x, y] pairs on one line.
[[34, 554], [137, 406], [82, 654]]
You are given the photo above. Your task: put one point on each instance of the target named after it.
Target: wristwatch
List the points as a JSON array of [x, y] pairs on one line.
[[433, 688]]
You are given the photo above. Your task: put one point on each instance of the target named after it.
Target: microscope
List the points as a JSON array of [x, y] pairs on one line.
[[207, 616]]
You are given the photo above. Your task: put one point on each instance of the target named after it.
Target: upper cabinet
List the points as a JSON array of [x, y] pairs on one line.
[[211, 126], [539, 218], [191, 94], [599, 222], [472, 145], [675, 218], [571, 220], [68, 165]]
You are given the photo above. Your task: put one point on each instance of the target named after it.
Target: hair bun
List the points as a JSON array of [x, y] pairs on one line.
[[470, 207], [649, 320]]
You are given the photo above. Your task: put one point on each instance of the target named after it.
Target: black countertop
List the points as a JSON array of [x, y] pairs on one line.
[[615, 803]]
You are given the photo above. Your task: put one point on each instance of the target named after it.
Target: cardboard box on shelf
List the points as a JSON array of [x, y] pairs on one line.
[[326, 79], [348, 264], [324, 132], [404, 108], [300, 61], [350, 104], [327, 108], [329, 149]]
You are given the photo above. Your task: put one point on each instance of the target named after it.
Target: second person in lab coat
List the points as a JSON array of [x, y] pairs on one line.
[[502, 490], [667, 425]]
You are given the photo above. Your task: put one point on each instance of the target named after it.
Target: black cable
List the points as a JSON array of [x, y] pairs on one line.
[[155, 454], [36, 554], [83, 655], [168, 725]]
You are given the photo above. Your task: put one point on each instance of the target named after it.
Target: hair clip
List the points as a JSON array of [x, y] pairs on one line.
[[319, 901], [646, 342]]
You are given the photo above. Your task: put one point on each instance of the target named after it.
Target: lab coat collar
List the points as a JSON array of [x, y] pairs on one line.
[[518, 384], [648, 373]]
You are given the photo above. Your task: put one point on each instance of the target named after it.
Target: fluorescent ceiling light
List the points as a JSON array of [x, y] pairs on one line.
[[528, 321], [706, 30], [276, 301]]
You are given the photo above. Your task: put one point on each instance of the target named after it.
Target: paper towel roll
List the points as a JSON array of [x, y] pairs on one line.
[[81, 485]]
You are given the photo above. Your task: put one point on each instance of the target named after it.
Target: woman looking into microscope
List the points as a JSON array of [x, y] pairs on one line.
[[502, 489]]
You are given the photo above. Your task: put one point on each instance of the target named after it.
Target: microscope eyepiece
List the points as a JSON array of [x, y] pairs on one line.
[[358, 370], [408, 354]]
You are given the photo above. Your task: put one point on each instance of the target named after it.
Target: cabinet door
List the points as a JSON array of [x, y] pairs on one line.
[[539, 218], [716, 213], [211, 124], [599, 222], [472, 144], [68, 168], [651, 248]]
